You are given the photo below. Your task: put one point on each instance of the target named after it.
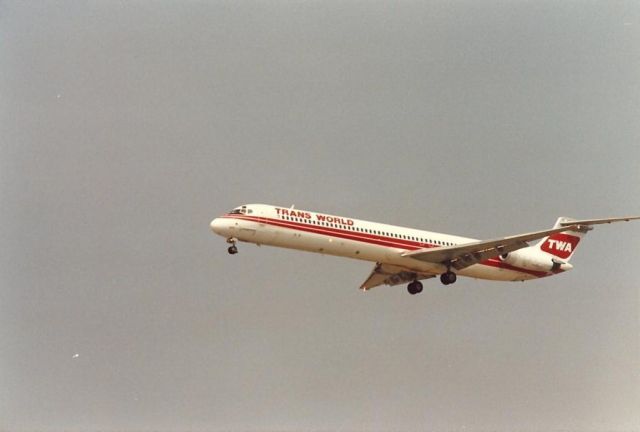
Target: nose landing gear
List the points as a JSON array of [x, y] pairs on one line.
[[233, 249]]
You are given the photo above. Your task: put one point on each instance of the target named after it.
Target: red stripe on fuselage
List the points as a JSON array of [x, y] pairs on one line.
[[337, 232], [371, 239]]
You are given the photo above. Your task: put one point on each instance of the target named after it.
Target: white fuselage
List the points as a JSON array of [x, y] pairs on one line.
[[335, 235]]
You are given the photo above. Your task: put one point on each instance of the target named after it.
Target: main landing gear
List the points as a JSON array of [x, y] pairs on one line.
[[448, 278], [414, 287], [233, 249]]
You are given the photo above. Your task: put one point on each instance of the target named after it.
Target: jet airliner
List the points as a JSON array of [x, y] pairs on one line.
[[406, 255]]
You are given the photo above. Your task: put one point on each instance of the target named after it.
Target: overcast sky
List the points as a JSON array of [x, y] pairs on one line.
[[126, 127]]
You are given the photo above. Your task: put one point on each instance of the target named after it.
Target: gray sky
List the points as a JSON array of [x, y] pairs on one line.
[[126, 127]]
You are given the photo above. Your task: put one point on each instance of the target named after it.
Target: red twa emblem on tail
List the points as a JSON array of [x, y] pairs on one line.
[[560, 245]]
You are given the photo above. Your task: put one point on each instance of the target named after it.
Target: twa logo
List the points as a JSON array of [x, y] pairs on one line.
[[560, 245]]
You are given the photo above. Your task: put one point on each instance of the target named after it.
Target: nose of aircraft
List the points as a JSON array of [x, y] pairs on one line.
[[216, 226]]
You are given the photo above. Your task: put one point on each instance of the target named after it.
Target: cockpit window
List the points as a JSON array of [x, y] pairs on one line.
[[241, 210]]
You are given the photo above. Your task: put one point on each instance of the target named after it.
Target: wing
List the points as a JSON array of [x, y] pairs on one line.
[[387, 274], [465, 255]]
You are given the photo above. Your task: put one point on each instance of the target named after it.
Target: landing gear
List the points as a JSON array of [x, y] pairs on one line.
[[448, 278], [233, 249], [414, 287]]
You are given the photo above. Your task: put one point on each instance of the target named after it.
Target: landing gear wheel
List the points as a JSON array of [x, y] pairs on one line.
[[232, 250], [448, 278], [414, 287]]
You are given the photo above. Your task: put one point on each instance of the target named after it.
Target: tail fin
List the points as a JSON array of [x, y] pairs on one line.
[[563, 244]]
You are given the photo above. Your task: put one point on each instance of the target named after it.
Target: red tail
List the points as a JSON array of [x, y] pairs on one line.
[[561, 245]]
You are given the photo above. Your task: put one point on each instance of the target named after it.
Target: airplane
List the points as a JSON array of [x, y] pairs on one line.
[[406, 255]]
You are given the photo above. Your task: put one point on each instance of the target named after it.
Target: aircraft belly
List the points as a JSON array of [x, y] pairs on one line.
[[480, 271]]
